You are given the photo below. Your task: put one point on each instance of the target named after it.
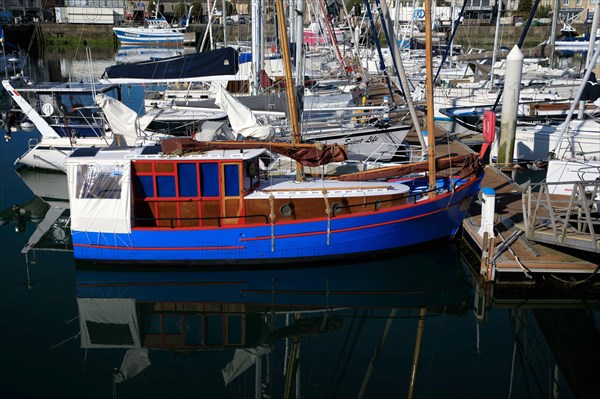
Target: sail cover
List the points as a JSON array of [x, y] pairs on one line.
[[134, 362], [241, 118], [243, 359], [220, 64], [122, 119]]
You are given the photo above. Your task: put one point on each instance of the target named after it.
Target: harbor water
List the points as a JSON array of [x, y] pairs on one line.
[[413, 325]]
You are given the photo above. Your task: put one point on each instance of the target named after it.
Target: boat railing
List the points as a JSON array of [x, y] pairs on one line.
[[565, 220], [32, 143], [401, 153], [317, 119]]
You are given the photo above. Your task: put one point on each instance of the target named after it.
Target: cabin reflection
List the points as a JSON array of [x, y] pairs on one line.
[[257, 315]]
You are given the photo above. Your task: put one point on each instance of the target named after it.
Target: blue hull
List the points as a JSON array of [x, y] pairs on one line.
[[348, 236]]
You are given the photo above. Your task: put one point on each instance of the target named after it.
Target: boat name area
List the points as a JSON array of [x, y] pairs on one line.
[[369, 140]]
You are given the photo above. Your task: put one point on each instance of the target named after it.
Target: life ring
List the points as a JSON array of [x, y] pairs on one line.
[[489, 131], [489, 126]]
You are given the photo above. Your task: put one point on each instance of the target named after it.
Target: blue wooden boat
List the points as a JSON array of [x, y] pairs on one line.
[[206, 203]]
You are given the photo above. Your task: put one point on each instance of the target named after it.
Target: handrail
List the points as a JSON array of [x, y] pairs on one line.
[[565, 220]]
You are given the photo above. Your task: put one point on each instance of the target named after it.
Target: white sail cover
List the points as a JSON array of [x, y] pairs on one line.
[[243, 359], [122, 119], [108, 323], [134, 362], [241, 118]]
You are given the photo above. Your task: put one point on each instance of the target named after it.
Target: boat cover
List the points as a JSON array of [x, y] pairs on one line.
[[180, 68], [108, 323]]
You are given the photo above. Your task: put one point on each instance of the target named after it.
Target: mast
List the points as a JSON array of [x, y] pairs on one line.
[[553, 32], [429, 91], [593, 32], [402, 74], [223, 20], [289, 82], [331, 34], [256, 44], [492, 77], [418, 344], [299, 13]]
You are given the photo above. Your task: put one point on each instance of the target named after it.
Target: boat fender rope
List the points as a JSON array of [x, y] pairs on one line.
[[328, 213], [272, 218]]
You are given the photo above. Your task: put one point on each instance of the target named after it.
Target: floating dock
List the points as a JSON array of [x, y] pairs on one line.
[[508, 250]]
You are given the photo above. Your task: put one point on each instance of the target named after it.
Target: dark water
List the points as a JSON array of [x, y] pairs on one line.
[[354, 327]]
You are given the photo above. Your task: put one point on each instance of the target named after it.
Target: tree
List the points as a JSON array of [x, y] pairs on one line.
[[179, 10], [353, 5], [524, 5], [543, 11], [197, 11]]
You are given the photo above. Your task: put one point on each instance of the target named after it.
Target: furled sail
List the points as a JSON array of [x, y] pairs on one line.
[[306, 154]]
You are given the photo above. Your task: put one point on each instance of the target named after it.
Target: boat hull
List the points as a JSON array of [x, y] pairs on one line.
[[148, 36], [349, 236], [51, 153]]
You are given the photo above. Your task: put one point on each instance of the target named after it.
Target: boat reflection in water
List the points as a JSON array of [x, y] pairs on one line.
[[270, 332], [48, 209]]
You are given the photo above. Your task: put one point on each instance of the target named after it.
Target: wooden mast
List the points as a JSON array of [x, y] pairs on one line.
[[429, 91], [289, 82]]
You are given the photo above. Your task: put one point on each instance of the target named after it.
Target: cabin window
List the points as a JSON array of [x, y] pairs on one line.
[[209, 179], [250, 173], [232, 180], [235, 325], [187, 194], [214, 329], [144, 186], [99, 181], [193, 330], [188, 180], [165, 186], [109, 333]]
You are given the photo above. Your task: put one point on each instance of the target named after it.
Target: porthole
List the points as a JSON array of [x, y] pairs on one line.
[[285, 210], [377, 205], [336, 208]]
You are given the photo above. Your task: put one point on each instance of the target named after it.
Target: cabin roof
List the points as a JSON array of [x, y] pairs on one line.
[[286, 188], [153, 153]]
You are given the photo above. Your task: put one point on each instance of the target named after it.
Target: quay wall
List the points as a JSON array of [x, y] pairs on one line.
[[467, 35]]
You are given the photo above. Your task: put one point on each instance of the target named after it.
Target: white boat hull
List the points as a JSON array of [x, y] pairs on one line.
[[581, 141], [51, 153], [560, 170]]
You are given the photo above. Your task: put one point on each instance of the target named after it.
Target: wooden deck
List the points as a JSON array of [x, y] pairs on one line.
[[521, 255]]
